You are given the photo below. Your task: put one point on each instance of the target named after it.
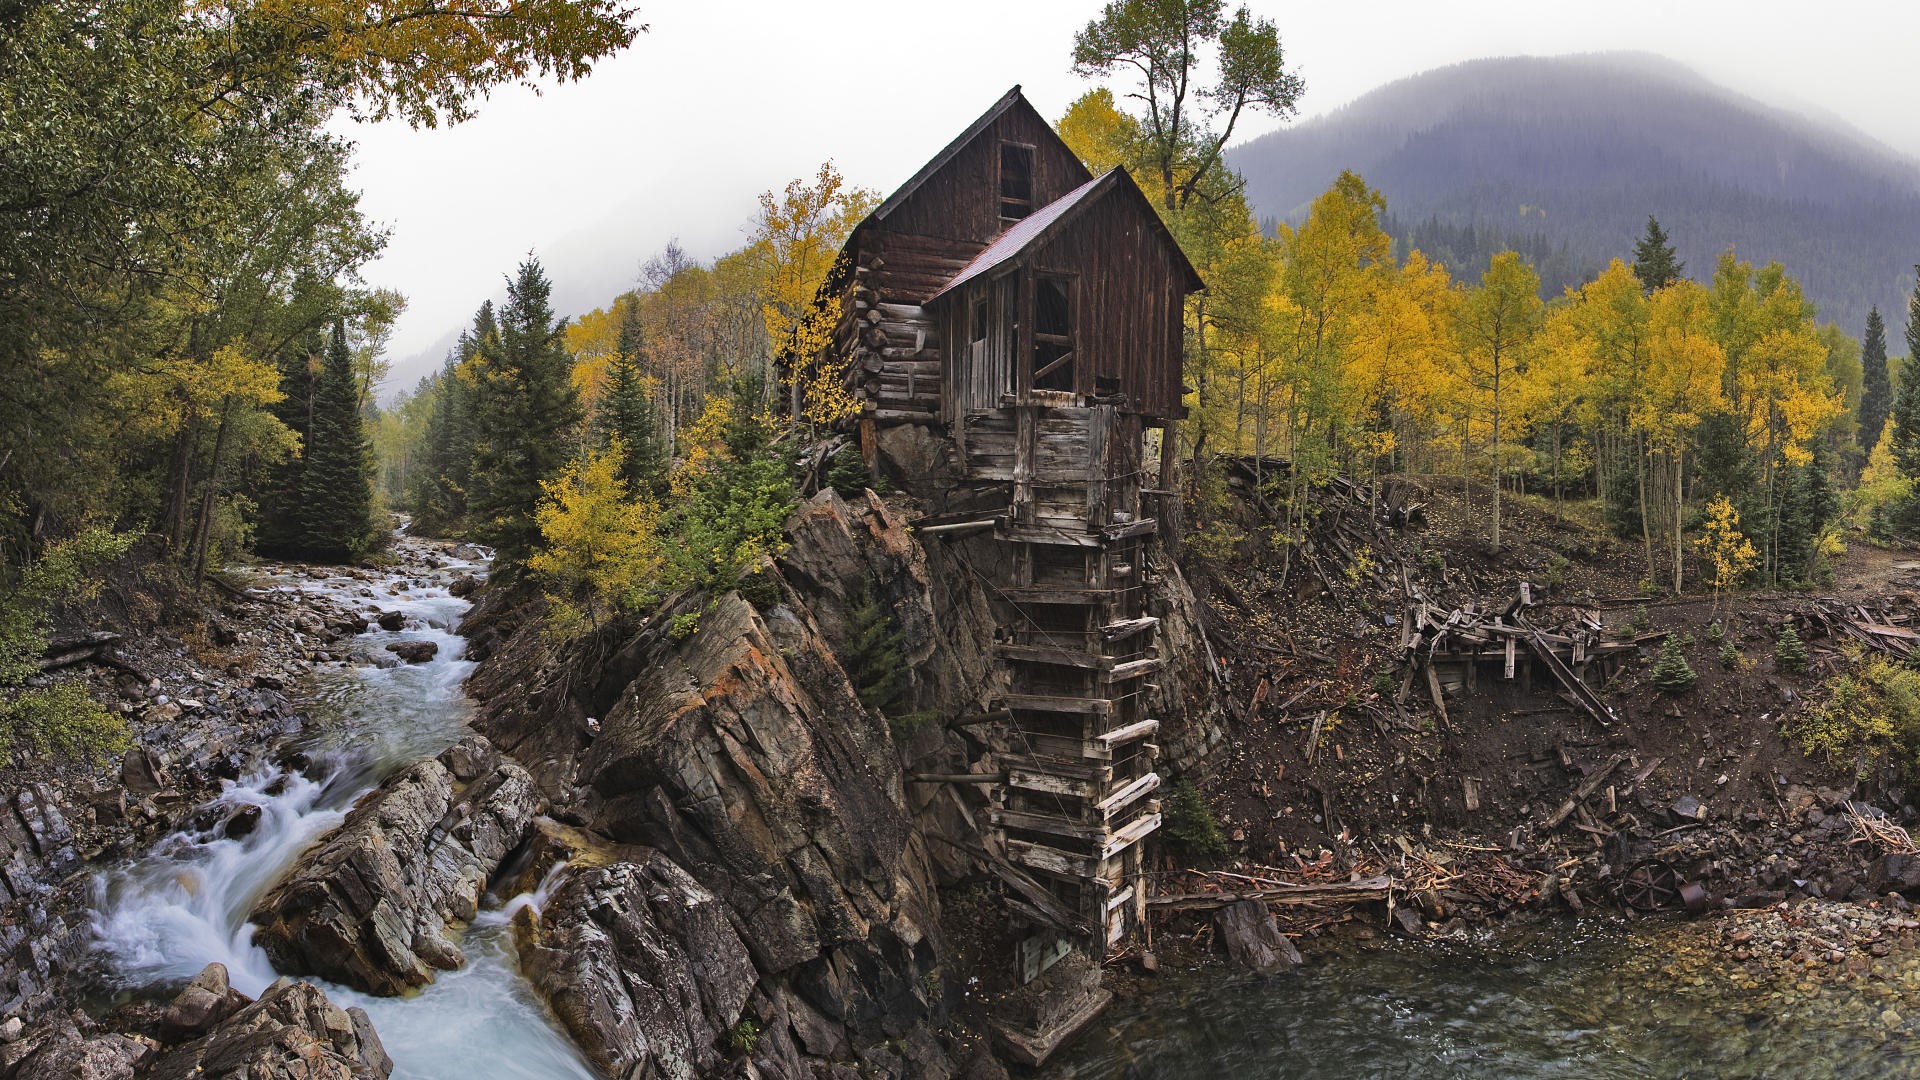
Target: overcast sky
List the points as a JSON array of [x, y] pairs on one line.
[[723, 99]]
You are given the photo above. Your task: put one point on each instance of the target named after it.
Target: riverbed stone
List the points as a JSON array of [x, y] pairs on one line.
[[370, 905], [642, 965], [1253, 940], [414, 652], [293, 1032]]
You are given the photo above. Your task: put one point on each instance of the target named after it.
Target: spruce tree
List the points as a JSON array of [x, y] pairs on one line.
[[1905, 414], [278, 531], [625, 412], [336, 488], [1653, 258], [524, 415], [1789, 652], [1671, 673], [1876, 389]]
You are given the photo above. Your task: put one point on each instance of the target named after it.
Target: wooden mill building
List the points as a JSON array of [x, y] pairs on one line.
[[1032, 314]]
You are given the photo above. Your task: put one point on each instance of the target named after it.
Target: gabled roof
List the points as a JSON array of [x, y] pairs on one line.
[[1037, 228], [939, 161]]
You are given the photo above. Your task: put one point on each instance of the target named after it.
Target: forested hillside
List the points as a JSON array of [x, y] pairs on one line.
[[1564, 158]]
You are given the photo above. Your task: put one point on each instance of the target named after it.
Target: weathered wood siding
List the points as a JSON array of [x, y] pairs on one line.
[[962, 201], [1128, 306]]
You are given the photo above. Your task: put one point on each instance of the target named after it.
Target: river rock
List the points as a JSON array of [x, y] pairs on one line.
[[414, 652], [292, 1033], [60, 1050], [642, 965], [1253, 940], [206, 1000], [392, 620], [463, 585], [370, 906]]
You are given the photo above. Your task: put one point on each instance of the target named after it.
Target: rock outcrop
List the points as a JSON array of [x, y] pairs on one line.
[[641, 964], [293, 1032], [370, 907]]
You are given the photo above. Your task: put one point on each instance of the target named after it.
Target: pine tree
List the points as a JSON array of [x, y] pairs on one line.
[[625, 414], [872, 653], [279, 528], [1876, 389], [336, 488], [1789, 652], [1653, 258], [1905, 414], [524, 415], [1671, 673]]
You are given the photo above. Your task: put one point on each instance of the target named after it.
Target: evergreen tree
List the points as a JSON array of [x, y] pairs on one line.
[[278, 532], [1671, 673], [1905, 414], [871, 656], [625, 415], [1789, 652], [525, 410], [1876, 389], [1653, 258], [336, 488], [1807, 504]]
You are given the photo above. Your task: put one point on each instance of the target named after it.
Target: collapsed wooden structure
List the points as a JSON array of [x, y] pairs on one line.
[[1031, 313], [1447, 649]]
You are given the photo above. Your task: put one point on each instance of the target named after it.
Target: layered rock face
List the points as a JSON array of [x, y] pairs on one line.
[[641, 964], [210, 1030], [371, 906]]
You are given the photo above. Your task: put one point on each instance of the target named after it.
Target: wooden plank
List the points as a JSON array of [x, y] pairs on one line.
[[1367, 889], [1059, 594], [1128, 627], [1051, 654], [1049, 823], [1134, 669], [1050, 859], [1059, 703], [1143, 527], [1096, 773], [1130, 794], [1046, 534], [1120, 736], [1051, 784], [1139, 830], [1584, 790]]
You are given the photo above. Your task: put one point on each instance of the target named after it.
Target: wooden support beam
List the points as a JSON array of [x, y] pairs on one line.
[[1134, 669], [1050, 823], [1122, 736], [1052, 654], [1139, 830], [1128, 795], [1126, 628], [1059, 703]]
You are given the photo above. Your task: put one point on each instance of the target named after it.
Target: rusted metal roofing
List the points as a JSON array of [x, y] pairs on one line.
[[1034, 229]]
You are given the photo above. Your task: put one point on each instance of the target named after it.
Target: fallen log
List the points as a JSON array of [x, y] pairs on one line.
[[1348, 892]]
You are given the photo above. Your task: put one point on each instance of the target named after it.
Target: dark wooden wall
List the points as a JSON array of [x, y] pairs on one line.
[[1129, 302], [962, 200]]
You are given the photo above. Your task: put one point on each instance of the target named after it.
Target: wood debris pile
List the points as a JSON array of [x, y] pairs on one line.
[[1876, 625], [1451, 646], [1875, 829]]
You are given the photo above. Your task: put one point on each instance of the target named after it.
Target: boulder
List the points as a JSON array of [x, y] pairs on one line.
[[463, 585], [60, 1050], [392, 620], [414, 652], [1253, 940], [206, 1000], [370, 906], [642, 965], [292, 1033]]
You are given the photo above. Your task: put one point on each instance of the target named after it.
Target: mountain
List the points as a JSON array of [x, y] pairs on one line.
[[1563, 158]]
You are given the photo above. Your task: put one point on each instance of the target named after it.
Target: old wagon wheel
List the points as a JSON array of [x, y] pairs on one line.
[[1651, 886]]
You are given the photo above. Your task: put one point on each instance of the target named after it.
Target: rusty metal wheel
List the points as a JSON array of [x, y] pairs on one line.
[[1651, 886]]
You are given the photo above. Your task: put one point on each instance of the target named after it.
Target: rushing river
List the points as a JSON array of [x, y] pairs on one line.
[[1601, 999], [164, 917]]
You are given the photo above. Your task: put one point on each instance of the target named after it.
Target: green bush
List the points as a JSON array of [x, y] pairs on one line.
[[761, 589], [61, 720], [743, 1037], [1671, 673], [684, 626], [849, 476], [1871, 716], [1188, 825], [1730, 657], [1789, 652]]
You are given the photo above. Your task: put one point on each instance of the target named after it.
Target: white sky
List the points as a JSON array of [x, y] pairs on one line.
[[723, 99]]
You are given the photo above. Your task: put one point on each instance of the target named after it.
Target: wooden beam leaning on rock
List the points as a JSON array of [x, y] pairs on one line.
[[1585, 790]]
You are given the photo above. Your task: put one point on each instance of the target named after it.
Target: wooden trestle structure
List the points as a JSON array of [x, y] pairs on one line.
[[1078, 648]]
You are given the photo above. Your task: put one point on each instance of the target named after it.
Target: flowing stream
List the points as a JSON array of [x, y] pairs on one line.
[[164, 917]]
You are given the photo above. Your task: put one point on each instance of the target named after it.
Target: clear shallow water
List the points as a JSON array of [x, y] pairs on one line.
[[1605, 1000], [162, 918]]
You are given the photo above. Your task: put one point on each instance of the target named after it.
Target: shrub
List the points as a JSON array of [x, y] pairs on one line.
[[761, 589], [1671, 673], [600, 549], [1189, 826], [62, 719], [849, 476], [684, 626], [1730, 657], [743, 1037], [1871, 716], [1789, 652]]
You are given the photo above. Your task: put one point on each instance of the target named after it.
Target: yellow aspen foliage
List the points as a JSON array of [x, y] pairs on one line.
[[1726, 552], [601, 552], [800, 231], [1104, 137]]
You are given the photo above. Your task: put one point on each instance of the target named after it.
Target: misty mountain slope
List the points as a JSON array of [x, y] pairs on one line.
[[1565, 157]]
